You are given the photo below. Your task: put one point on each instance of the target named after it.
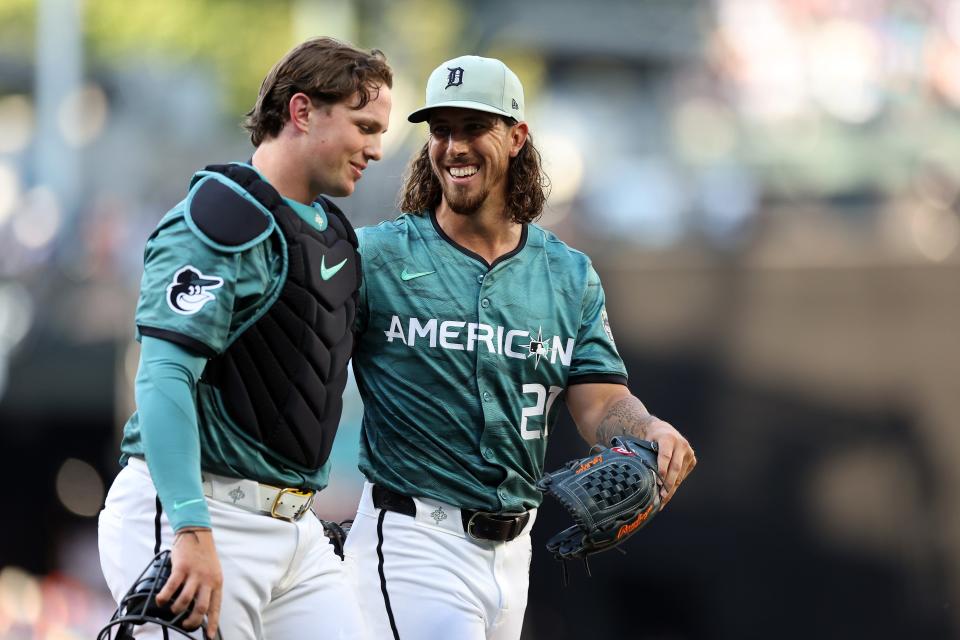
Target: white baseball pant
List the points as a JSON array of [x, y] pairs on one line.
[[423, 578], [280, 579]]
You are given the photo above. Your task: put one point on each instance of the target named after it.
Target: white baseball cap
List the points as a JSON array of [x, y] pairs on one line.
[[472, 82]]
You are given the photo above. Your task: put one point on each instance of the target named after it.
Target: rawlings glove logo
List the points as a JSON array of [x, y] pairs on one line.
[[630, 527], [589, 463]]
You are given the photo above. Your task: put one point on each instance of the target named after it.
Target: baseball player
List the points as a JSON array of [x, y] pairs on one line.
[[245, 319], [473, 323]]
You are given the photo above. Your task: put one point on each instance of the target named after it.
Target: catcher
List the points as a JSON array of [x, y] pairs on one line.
[[248, 294]]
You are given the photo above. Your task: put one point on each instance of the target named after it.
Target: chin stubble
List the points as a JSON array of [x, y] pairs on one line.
[[461, 203]]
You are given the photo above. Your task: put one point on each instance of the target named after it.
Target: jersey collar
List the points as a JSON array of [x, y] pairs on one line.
[[476, 256], [313, 214]]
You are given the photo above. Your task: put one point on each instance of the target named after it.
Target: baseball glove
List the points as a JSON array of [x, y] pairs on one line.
[[611, 494], [337, 534]]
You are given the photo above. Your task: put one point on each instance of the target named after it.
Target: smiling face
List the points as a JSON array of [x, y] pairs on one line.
[[341, 141], [470, 153]]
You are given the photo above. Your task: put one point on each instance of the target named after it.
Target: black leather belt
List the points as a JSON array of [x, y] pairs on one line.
[[499, 527]]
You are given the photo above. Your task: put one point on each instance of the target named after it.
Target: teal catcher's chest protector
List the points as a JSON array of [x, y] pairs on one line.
[[282, 378]]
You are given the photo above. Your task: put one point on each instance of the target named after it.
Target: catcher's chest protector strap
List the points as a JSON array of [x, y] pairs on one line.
[[282, 380]]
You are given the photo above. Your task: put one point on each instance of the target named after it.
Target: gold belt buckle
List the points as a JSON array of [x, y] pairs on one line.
[[294, 492]]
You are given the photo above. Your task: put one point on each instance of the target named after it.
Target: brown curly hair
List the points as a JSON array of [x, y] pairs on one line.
[[527, 184], [327, 70]]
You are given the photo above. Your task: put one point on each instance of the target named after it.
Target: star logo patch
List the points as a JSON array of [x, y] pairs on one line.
[[537, 348], [606, 324]]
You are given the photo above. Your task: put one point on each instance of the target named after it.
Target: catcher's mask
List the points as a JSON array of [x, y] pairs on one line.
[[139, 605]]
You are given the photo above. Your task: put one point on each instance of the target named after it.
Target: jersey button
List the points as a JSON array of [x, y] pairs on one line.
[[486, 396], [488, 453], [485, 303], [502, 493], [480, 279]]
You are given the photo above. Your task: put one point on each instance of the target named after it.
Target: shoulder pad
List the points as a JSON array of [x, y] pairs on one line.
[[222, 214]]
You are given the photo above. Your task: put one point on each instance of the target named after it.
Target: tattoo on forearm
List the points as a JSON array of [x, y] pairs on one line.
[[625, 417]]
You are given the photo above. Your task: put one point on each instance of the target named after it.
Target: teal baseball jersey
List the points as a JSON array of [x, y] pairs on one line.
[[460, 364], [203, 296]]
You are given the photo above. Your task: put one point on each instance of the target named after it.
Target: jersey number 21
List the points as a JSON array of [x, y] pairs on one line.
[[541, 408]]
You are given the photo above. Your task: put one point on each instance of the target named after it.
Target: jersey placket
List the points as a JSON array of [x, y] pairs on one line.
[[487, 366]]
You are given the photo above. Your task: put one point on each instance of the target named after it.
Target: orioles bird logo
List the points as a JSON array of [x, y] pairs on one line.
[[189, 290]]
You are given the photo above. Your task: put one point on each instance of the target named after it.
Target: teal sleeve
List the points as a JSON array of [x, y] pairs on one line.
[[595, 356], [189, 291], [165, 393]]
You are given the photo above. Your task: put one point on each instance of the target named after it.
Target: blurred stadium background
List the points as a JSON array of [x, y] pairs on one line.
[[769, 190]]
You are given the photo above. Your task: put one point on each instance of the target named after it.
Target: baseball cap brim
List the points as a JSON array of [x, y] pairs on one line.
[[423, 114]]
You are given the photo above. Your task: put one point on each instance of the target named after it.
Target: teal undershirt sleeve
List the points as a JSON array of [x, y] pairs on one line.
[[166, 403]]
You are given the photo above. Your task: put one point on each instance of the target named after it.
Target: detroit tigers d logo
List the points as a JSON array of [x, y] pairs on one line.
[[189, 290], [455, 79]]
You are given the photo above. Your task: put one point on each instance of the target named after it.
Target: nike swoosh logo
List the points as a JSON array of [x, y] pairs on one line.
[[181, 505], [326, 273], [405, 275]]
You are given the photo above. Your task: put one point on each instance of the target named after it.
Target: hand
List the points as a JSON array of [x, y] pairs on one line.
[[197, 568], [676, 459]]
